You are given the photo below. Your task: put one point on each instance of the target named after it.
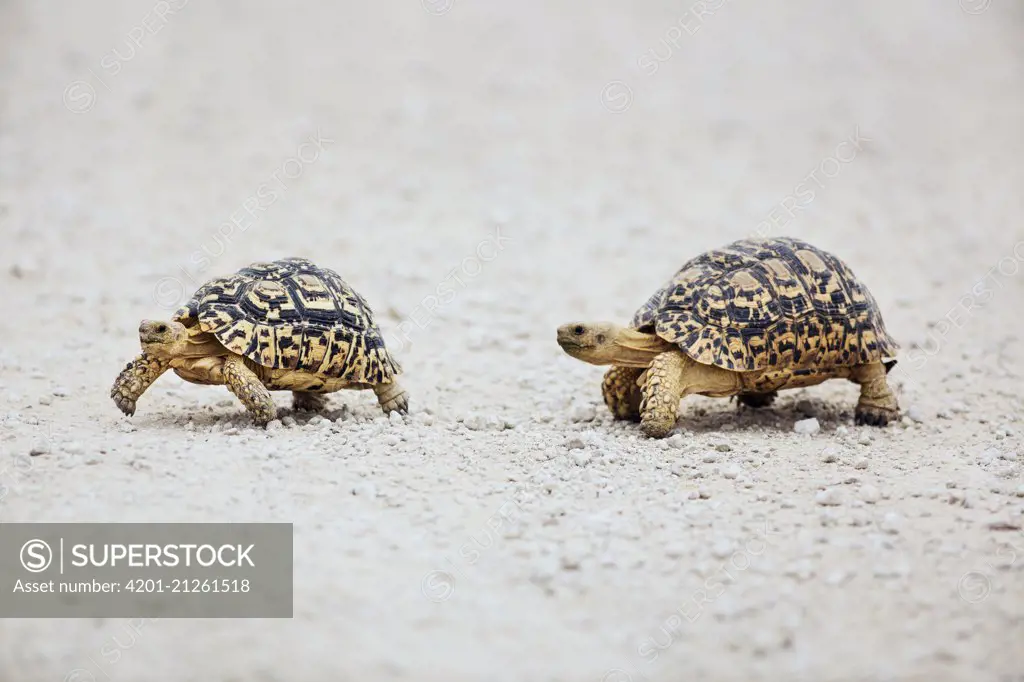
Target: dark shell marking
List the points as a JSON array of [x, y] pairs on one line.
[[291, 314], [755, 304]]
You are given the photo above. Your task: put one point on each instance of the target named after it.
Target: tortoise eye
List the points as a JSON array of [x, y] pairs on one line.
[[161, 329], [578, 330]]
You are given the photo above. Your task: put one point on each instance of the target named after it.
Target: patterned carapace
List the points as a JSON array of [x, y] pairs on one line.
[[291, 314], [757, 304]]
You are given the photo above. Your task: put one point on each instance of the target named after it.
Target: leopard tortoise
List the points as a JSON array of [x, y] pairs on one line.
[[745, 320], [286, 325]]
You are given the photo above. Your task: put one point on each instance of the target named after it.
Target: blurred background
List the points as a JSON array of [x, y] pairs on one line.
[[145, 147], [483, 172]]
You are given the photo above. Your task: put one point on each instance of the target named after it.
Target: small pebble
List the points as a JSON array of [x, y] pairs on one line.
[[479, 422], [45, 400], [315, 420], [733, 471], [883, 571], [1003, 524], [575, 443], [42, 447], [723, 447], [288, 420], [675, 551], [704, 493], [829, 497], [92, 460], [74, 448], [807, 426], [839, 578], [865, 439], [581, 458], [829, 455], [842, 430], [272, 425], [722, 549], [915, 415], [675, 440], [365, 489], [709, 458], [861, 463], [892, 523], [583, 413], [60, 392], [869, 494]]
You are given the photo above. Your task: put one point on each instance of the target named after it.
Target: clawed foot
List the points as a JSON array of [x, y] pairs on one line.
[[392, 398], [261, 420], [124, 403], [874, 416], [657, 428], [399, 404]]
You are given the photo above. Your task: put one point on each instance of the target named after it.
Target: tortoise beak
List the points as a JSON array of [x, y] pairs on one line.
[[570, 339]]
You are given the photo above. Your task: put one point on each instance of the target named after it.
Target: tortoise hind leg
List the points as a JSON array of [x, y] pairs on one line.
[[392, 398], [757, 400], [248, 388], [877, 405], [305, 401], [621, 392]]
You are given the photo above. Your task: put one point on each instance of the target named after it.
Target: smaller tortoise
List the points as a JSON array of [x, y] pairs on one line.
[[746, 320], [282, 326]]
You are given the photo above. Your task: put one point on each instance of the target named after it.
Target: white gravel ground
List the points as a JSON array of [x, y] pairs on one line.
[[514, 166]]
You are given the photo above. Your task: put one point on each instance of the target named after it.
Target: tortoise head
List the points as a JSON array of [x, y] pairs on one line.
[[592, 342], [606, 343], [163, 339]]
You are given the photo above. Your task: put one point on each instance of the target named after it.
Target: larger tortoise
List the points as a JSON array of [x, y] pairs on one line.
[[745, 320], [287, 326]]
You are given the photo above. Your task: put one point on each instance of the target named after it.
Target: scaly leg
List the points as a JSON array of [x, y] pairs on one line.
[[392, 398], [134, 379], [662, 391], [673, 376], [304, 401], [877, 405], [622, 395], [248, 388]]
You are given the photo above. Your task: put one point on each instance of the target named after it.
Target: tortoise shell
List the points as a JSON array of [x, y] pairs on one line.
[[757, 304], [291, 314]]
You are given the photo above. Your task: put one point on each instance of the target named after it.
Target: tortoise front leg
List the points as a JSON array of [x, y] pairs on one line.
[[671, 377], [392, 398], [621, 392], [877, 405], [134, 379], [305, 401], [248, 388], [662, 391]]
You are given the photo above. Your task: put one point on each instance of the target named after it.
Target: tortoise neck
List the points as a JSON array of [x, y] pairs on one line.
[[637, 349], [200, 344]]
